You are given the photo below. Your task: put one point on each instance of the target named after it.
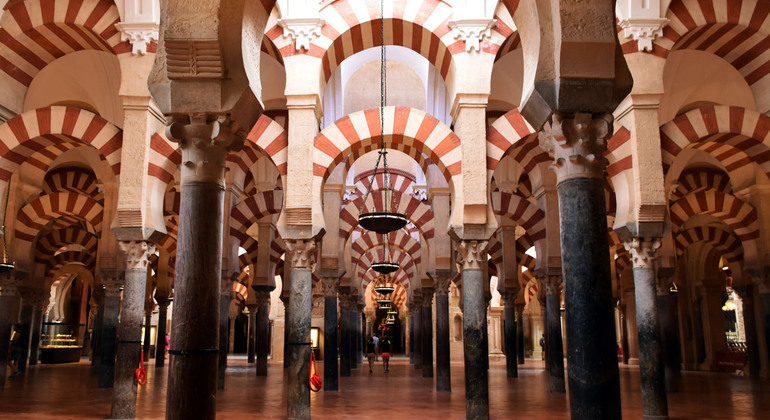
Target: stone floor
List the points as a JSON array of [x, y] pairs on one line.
[[69, 392]]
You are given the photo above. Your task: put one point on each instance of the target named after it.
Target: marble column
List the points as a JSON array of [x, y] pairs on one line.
[[225, 294], [651, 365], [97, 294], [471, 255], [411, 307], [353, 321], [285, 301], [668, 312], [263, 327], [331, 377], [427, 332], [25, 319], [746, 292], [417, 299], [160, 347], [520, 332], [113, 283], [554, 355], [511, 335], [359, 317], [130, 328], [577, 143], [301, 255], [148, 308], [443, 367], [251, 349], [344, 297], [9, 314], [37, 323], [193, 359]]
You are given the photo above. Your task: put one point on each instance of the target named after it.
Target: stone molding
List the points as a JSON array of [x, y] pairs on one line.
[[138, 34], [302, 31], [330, 286], [471, 254], [194, 59], [301, 252], [441, 285], [473, 31], [643, 251], [643, 31], [137, 253], [577, 144]]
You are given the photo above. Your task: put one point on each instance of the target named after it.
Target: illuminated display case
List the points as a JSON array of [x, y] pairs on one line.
[[61, 343]]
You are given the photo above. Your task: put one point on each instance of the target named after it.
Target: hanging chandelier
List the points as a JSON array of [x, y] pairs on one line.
[[384, 303], [386, 221], [5, 265], [382, 288], [387, 266]]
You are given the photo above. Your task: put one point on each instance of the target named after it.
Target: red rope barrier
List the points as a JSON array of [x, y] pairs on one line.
[[315, 380], [141, 375]]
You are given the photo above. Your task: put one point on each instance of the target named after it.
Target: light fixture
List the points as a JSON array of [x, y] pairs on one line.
[[384, 303], [381, 287], [392, 311], [6, 265], [673, 289], [385, 267]]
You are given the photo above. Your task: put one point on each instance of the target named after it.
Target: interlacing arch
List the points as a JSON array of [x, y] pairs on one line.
[[398, 239], [47, 245], [700, 179], [248, 211], [521, 211], [373, 255], [512, 130], [419, 213], [77, 180], [725, 242], [399, 277], [68, 206]]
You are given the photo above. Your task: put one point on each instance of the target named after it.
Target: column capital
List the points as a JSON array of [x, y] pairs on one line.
[[577, 144], [112, 281], [551, 283], [205, 141], [149, 305], [301, 31], [262, 297], [10, 282], [330, 286], [519, 308], [509, 295], [301, 252], [471, 254], [163, 303], [138, 34], [643, 251], [427, 296], [762, 281], [34, 296], [441, 285], [137, 253]]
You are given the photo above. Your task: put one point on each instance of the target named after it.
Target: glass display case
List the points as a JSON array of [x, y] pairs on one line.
[[61, 343]]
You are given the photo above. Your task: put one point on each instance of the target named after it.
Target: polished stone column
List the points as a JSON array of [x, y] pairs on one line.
[[331, 376], [97, 294], [251, 348], [130, 328], [113, 283], [225, 294], [411, 307], [9, 314], [443, 367], [471, 255], [555, 354], [651, 365], [746, 292], [418, 326], [262, 294], [762, 285], [148, 308], [577, 144], [353, 322], [427, 332], [520, 332], [37, 323], [668, 312], [195, 324], [511, 336], [285, 301], [160, 347], [25, 319], [345, 364], [301, 256], [623, 332]]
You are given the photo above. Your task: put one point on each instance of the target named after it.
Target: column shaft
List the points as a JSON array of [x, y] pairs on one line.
[[9, 312], [651, 365], [750, 326], [555, 354], [520, 333], [34, 345], [511, 349], [474, 319], [353, 336], [109, 337], [224, 324], [331, 379], [147, 335], [160, 346], [252, 338], [418, 336], [298, 323], [26, 331], [443, 368], [96, 336], [263, 337], [411, 338], [427, 340], [669, 331]]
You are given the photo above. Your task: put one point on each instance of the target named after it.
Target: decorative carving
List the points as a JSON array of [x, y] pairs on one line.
[[351, 193], [9, 284], [262, 298], [301, 252], [551, 284], [441, 284], [317, 309], [330, 286], [137, 253], [427, 296], [473, 31], [302, 31], [643, 30], [139, 34], [112, 288], [194, 59], [643, 251], [509, 296], [577, 145], [205, 144], [471, 254]]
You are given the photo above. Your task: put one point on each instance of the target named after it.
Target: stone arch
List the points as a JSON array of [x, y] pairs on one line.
[[724, 241], [399, 239], [399, 256], [419, 213], [47, 245], [73, 179], [522, 211], [512, 130], [73, 207], [246, 213], [700, 179]]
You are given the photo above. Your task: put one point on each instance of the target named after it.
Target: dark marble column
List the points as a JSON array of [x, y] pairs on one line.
[[555, 355], [9, 314], [25, 319], [263, 327], [97, 293], [331, 377], [417, 298], [345, 364], [651, 365], [354, 316], [471, 256], [427, 332], [443, 367], [668, 312], [225, 294], [130, 328], [577, 144], [251, 349], [113, 283], [301, 256], [511, 336], [147, 330], [750, 326], [160, 348], [195, 324], [520, 332], [285, 301], [411, 307], [37, 323]]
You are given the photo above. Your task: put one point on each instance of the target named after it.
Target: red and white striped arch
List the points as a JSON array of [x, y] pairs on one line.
[[77, 180], [700, 179], [622, 261], [171, 202], [409, 130], [83, 258], [512, 130], [250, 256], [521, 211], [30, 132], [270, 138], [168, 243], [723, 241], [248, 211], [398, 182], [33, 33], [739, 215], [399, 277], [37, 213], [240, 290], [374, 255], [399, 239], [419, 213], [47, 245]]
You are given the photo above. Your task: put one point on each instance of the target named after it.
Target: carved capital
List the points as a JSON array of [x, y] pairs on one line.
[[138, 34], [302, 31], [330, 286], [509, 296], [163, 304], [301, 252], [643, 251], [471, 254], [262, 298], [427, 296], [205, 143], [519, 309], [137, 254], [577, 145], [149, 306], [762, 282], [9, 284], [643, 30], [551, 284], [441, 285], [112, 281], [473, 31]]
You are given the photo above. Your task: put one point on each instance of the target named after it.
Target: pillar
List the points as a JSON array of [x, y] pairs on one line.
[[511, 334], [651, 366], [285, 301], [417, 331], [25, 319], [669, 333], [443, 367], [160, 347], [113, 283], [263, 327], [411, 308], [9, 313], [97, 294], [37, 323], [472, 257], [331, 378], [344, 297], [149, 306], [225, 294], [762, 285], [746, 292], [195, 324], [353, 321], [577, 144], [427, 332], [130, 329], [623, 332], [520, 332], [301, 255], [252, 337], [554, 355]]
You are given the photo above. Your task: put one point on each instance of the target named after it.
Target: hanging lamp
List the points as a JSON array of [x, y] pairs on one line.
[[384, 303], [386, 221], [387, 266], [382, 288], [6, 265]]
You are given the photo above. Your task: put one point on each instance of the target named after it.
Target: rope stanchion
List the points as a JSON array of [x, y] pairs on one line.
[[141, 375], [315, 380]]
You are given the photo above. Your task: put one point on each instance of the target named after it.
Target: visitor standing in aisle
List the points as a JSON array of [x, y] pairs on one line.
[[376, 345], [370, 353], [385, 347]]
